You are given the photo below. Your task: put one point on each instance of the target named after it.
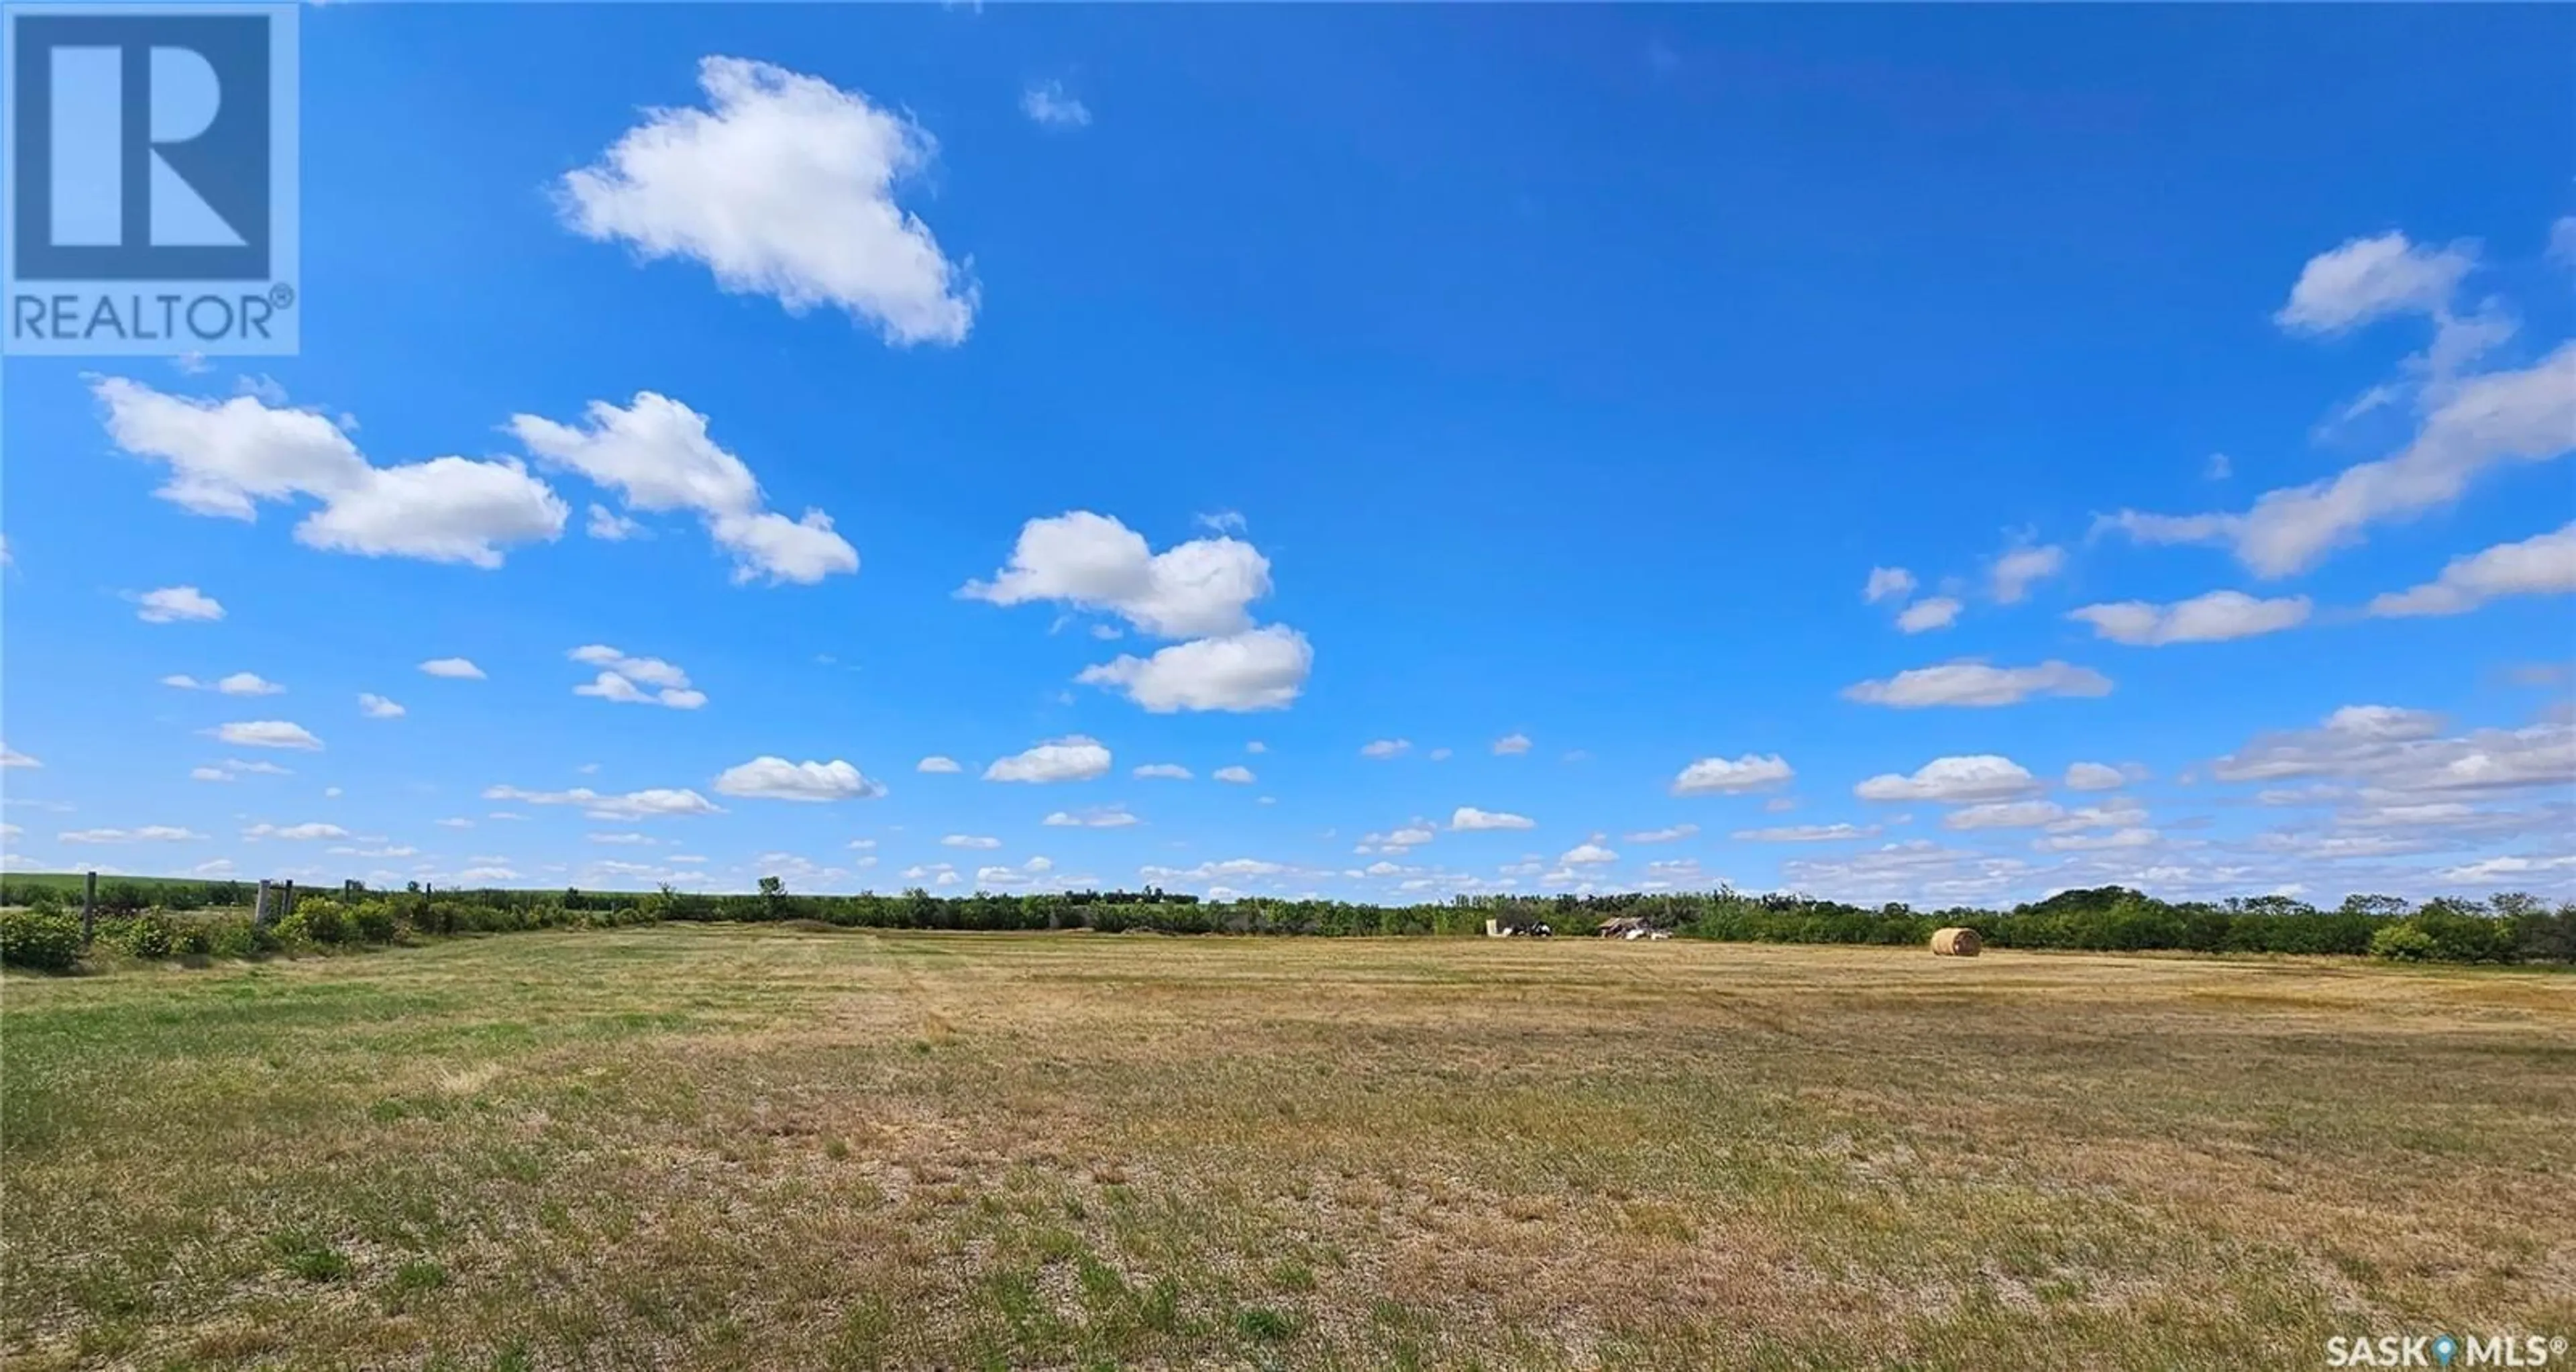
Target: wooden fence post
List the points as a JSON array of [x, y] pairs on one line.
[[287, 906], [259, 911], [89, 907]]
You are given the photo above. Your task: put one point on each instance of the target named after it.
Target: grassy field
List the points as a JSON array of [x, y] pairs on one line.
[[731, 1147]]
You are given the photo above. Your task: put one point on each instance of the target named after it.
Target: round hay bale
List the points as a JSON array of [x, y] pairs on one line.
[[1956, 942]]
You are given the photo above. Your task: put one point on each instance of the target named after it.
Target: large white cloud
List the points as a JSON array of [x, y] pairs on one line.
[[656, 454], [1968, 682], [227, 456], [1071, 758], [1262, 669], [1718, 776], [2541, 565], [783, 186], [1201, 591], [2211, 618], [1093, 562], [779, 779], [1955, 780]]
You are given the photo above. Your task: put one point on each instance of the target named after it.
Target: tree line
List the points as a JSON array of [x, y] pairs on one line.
[[156, 920]]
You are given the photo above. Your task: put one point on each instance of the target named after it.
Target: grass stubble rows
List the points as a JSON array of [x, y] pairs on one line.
[[731, 1147]]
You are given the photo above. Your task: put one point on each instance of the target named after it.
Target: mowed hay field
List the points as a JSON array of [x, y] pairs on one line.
[[731, 1147]]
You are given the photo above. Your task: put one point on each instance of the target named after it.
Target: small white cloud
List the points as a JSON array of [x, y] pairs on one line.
[[2212, 618], [377, 707], [1719, 776], [2094, 776], [970, 841], [646, 804], [1071, 758], [776, 778], [1110, 817], [149, 833], [657, 454], [937, 765], [11, 757], [1939, 612], [610, 526], [267, 733], [300, 833], [1469, 819], [1386, 748], [1511, 745], [1047, 105], [1240, 776], [1256, 746], [173, 604], [1163, 771], [2218, 468], [2541, 565], [1887, 583], [1668, 835], [453, 668], [2367, 278], [2017, 571], [1968, 682], [1262, 669], [1805, 833], [183, 681], [1587, 855], [248, 684]]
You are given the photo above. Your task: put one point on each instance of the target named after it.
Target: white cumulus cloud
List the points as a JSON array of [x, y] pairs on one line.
[[2212, 618], [1721, 776], [1955, 780], [776, 778], [172, 604], [1968, 682], [453, 668], [267, 733], [1071, 758], [1468, 819], [784, 185], [225, 457], [2541, 565], [657, 455]]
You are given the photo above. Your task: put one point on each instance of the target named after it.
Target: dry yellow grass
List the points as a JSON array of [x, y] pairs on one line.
[[736, 1147]]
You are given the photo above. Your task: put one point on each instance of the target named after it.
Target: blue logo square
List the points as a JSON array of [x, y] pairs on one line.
[[151, 191]]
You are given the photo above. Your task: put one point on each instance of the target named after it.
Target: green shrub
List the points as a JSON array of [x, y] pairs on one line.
[[2402, 942], [372, 921], [151, 938], [316, 921], [192, 938], [236, 937], [46, 942]]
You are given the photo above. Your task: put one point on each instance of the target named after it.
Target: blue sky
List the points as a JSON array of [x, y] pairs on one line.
[[1541, 390]]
